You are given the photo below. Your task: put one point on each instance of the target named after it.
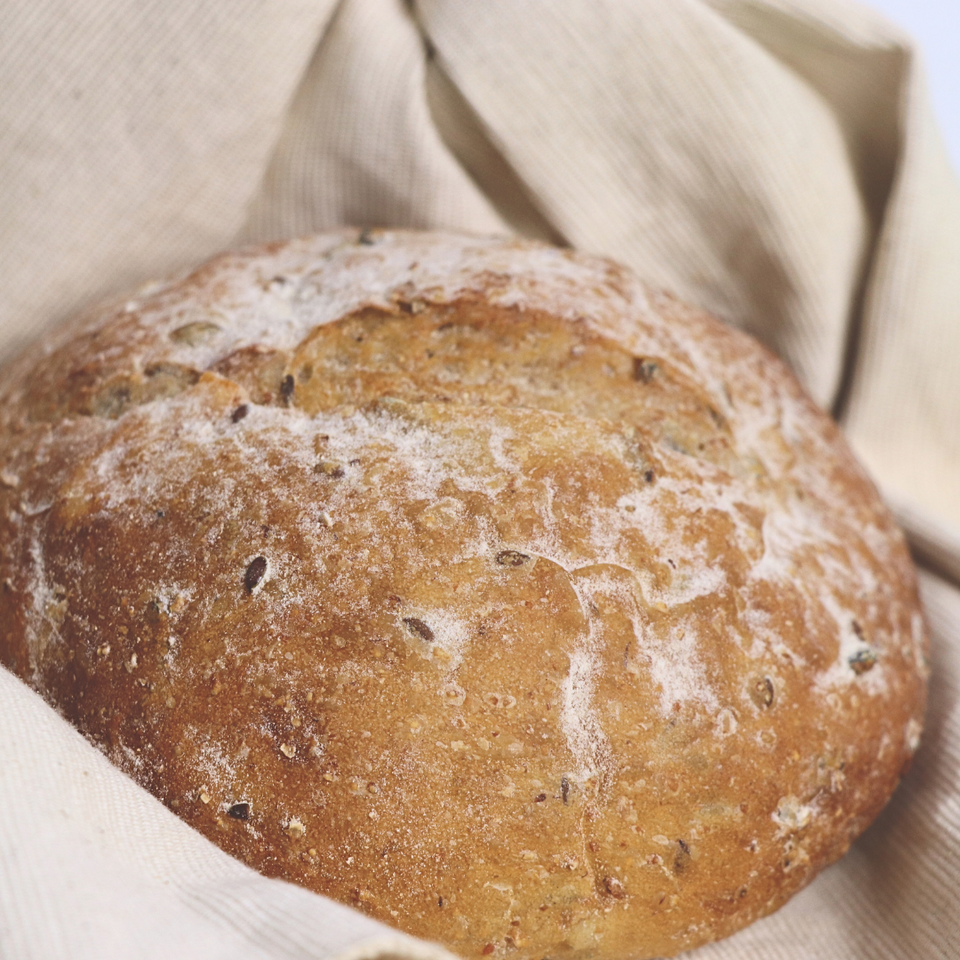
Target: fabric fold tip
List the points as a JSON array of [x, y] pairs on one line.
[[934, 541]]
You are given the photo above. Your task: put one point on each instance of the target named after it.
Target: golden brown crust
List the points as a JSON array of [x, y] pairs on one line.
[[466, 581]]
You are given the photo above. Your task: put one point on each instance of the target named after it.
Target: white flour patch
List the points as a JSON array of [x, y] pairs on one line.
[[676, 668]]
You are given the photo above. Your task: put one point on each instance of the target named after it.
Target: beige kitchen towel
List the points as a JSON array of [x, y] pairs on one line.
[[772, 160]]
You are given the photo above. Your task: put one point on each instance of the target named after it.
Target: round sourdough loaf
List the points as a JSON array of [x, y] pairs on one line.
[[467, 581]]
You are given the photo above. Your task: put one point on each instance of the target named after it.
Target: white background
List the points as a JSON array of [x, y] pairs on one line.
[[935, 24]]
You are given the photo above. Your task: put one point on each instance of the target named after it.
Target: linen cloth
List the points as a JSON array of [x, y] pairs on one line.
[[775, 161]]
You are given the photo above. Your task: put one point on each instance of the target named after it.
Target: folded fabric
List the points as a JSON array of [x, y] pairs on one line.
[[772, 160]]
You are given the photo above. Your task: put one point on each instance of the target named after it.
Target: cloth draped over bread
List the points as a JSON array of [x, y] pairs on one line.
[[774, 161]]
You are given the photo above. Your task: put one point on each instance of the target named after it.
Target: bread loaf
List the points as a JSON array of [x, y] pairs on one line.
[[467, 581]]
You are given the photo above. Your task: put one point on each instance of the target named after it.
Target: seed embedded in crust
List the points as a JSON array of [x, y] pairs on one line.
[[762, 692], [614, 887], [862, 661], [417, 626], [240, 412], [254, 573], [295, 829], [330, 468], [239, 811], [287, 386], [644, 370], [195, 334], [512, 558]]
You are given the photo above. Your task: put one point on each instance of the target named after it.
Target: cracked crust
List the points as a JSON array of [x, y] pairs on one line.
[[466, 581]]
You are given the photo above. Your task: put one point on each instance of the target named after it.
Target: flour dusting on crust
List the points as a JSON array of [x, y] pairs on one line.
[[468, 581]]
